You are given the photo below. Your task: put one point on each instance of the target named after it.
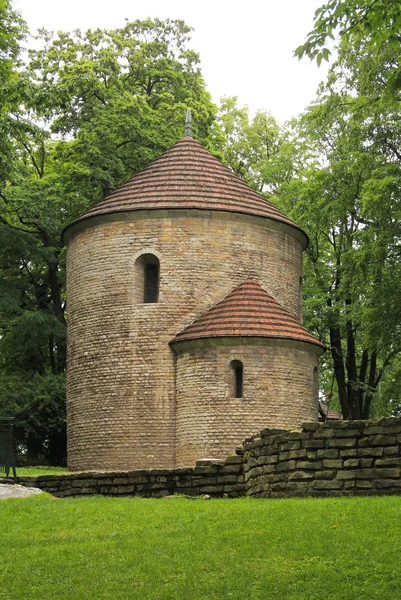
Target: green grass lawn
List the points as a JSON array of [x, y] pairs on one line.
[[36, 471], [183, 549]]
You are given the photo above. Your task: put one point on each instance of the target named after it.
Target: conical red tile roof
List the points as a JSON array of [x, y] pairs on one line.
[[187, 176], [247, 311]]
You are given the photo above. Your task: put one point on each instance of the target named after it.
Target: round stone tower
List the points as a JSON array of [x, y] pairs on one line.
[[150, 383]]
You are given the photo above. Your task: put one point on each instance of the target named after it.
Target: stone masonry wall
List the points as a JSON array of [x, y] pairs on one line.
[[121, 370], [332, 459], [214, 478], [277, 392], [344, 458]]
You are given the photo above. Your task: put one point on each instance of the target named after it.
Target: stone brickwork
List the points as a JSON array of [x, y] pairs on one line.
[[333, 459], [344, 458], [211, 477], [121, 407], [278, 388]]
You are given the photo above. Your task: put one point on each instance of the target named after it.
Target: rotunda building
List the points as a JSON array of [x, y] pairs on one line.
[[184, 318]]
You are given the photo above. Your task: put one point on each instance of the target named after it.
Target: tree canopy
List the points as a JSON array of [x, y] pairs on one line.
[[350, 204], [336, 172], [377, 22], [257, 148]]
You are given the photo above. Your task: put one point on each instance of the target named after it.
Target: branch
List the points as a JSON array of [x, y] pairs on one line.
[[42, 158], [102, 100], [385, 365], [25, 266], [394, 150], [150, 85], [359, 21], [364, 366], [32, 159], [362, 220], [121, 144], [3, 220], [331, 241], [41, 231]]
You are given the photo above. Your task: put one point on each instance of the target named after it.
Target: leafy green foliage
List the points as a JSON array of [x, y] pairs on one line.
[[256, 148], [377, 22], [38, 405], [12, 32], [348, 201], [336, 172]]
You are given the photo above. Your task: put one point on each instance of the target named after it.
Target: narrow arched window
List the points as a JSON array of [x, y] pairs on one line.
[[236, 379], [147, 275], [151, 282]]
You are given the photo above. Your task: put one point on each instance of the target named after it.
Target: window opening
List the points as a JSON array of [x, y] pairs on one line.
[[151, 283], [146, 279], [237, 379]]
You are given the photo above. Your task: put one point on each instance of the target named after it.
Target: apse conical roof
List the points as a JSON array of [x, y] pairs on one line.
[[247, 311], [187, 176]]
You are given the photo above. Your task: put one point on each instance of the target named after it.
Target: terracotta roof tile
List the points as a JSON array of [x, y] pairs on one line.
[[247, 311], [187, 176]]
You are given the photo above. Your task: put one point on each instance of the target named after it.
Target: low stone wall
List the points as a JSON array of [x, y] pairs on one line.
[[343, 458], [211, 477], [331, 459]]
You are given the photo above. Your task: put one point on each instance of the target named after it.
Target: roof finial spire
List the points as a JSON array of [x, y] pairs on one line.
[[188, 124]]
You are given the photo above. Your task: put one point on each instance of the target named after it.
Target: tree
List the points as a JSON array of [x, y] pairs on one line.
[[93, 109], [257, 149], [336, 172], [12, 32], [348, 201], [377, 22]]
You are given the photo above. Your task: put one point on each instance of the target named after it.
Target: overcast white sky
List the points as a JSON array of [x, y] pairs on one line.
[[246, 48]]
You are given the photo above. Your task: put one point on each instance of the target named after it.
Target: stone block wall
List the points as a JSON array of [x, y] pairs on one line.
[[344, 458], [332, 459], [212, 477]]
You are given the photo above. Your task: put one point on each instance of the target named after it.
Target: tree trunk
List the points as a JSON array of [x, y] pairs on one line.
[[372, 384], [339, 371], [55, 291], [352, 379]]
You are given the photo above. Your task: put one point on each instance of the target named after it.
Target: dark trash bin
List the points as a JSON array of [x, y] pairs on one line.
[[6, 446]]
